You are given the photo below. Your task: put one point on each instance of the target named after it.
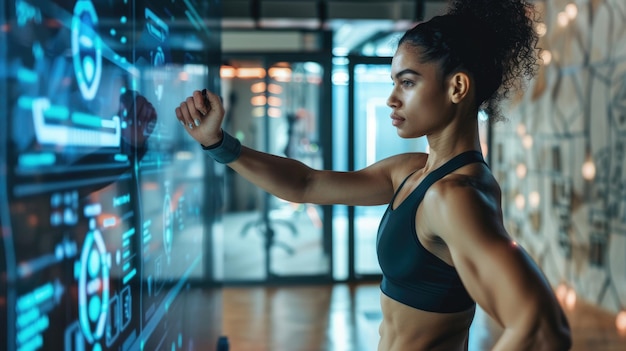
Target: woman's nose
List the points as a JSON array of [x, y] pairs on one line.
[[392, 101]]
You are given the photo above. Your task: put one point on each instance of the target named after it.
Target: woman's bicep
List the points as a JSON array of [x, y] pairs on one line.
[[365, 187], [372, 185], [503, 279]]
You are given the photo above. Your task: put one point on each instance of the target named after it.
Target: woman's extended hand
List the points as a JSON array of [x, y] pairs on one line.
[[202, 115]]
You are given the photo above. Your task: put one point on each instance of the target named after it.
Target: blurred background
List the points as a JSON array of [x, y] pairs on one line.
[[119, 234]]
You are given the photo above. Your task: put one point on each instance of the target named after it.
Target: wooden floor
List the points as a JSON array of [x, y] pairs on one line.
[[346, 318]]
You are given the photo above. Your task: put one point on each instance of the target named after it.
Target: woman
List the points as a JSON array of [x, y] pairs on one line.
[[442, 245]]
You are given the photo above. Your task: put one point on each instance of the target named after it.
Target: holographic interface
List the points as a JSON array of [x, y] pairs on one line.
[[103, 201]]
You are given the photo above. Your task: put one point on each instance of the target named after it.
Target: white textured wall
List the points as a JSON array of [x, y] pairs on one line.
[[575, 107]]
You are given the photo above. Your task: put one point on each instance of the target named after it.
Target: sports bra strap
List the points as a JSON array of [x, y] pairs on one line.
[[453, 164]]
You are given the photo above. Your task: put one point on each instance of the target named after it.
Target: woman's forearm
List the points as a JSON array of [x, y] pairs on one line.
[[283, 177]]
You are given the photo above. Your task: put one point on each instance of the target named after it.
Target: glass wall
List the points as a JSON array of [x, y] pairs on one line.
[[276, 107]]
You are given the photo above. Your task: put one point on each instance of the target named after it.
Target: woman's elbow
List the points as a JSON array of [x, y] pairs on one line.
[[554, 338]]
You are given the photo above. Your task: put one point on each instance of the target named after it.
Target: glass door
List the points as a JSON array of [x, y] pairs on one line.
[[374, 138], [276, 105]]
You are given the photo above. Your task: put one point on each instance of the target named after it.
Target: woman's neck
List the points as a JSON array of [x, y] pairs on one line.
[[455, 139]]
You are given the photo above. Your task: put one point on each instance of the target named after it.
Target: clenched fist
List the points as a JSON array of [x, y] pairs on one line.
[[202, 114]]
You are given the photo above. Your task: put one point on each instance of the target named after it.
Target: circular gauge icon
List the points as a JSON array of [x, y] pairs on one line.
[[168, 225], [86, 49], [93, 287]]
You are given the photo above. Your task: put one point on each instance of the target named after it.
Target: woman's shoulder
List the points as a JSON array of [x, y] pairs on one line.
[[472, 184], [398, 167], [413, 159], [400, 163], [406, 163]]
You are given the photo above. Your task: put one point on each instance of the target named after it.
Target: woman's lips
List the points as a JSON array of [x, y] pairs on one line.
[[396, 120]]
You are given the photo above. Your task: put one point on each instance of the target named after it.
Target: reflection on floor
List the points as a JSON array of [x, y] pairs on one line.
[[297, 245], [298, 248], [346, 318]]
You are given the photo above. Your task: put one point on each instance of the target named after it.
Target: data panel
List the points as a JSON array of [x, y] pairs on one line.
[[104, 208]]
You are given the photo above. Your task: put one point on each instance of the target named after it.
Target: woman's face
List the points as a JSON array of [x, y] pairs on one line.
[[419, 100]]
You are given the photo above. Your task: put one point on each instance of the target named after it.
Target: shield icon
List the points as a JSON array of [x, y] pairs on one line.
[[86, 49]]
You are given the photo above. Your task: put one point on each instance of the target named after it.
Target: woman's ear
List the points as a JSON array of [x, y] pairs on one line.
[[459, 87]]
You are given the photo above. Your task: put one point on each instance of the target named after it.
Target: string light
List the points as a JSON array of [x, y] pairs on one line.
[[561, 292], [534, 199], [562, 19], [570, 299], [527, 141], [620, 322], [521, 171], [571, 10], [520, 201], [589, 168], [546, 57], [541, 29]]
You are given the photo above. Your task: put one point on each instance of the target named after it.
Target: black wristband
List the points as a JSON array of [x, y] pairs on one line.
[[225, 151]]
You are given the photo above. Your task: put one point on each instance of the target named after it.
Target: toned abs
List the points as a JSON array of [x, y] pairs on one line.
[[408, 329]]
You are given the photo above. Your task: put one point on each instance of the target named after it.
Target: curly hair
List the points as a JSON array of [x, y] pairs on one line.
[[494, 40]]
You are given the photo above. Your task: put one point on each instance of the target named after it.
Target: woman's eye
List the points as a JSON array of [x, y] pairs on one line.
[[404, 83]]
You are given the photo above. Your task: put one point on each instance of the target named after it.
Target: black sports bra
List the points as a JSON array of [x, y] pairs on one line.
[[413, 275]]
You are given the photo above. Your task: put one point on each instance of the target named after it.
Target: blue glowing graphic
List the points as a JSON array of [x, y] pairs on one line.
[[88, 130], [158, 60], [95, 308], [93, 287], [94, 264], [168, 225], [159, 30], [94, 241], [26, 12], [86, 49], [155, 26]]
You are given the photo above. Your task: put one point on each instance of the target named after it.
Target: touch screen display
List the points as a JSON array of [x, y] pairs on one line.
[[103, 198]]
